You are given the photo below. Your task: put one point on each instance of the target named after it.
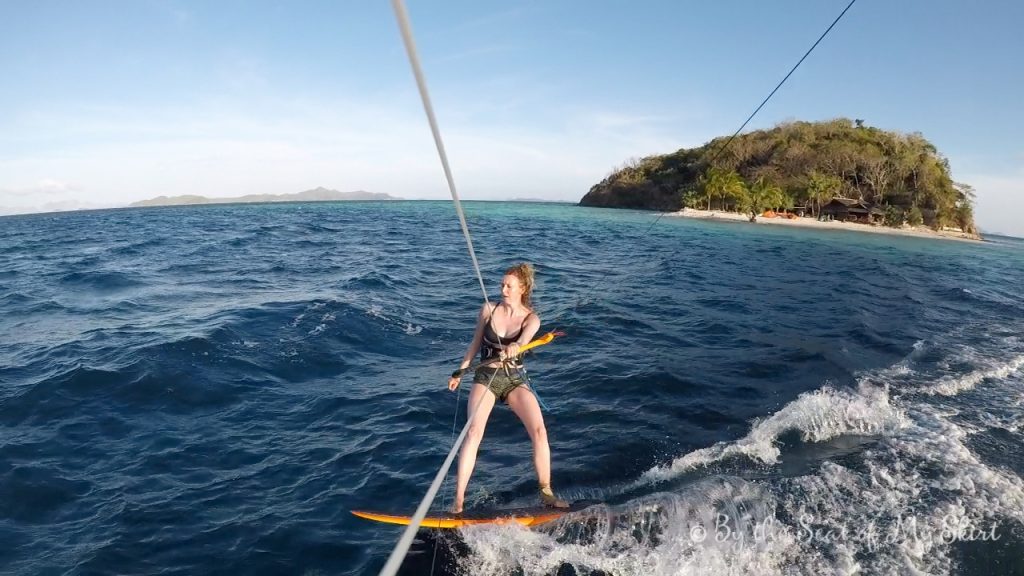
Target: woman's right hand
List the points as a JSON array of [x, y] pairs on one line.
[[453, 383]]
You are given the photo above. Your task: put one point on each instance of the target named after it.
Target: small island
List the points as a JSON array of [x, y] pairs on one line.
[[838, 173], [319, 194]]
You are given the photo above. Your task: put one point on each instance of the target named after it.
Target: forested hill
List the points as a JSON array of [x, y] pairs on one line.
[[809, 163]]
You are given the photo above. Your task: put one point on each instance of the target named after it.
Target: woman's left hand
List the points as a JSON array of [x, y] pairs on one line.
[[510, 351]]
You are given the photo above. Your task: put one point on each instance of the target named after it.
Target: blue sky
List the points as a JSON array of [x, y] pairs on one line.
[[105, 103]]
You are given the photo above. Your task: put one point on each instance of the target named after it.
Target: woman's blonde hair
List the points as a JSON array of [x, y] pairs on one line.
[[524, 272]]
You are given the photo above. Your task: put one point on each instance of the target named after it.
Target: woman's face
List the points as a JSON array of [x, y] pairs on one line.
[[511, 288]]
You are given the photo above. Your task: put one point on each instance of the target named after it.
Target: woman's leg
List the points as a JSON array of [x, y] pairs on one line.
[[467, 456], [524, 404]]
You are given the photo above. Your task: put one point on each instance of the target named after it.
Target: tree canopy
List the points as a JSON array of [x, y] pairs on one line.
[[809, 163]]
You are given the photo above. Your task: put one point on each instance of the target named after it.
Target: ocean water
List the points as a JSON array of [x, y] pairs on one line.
[[211, 390]]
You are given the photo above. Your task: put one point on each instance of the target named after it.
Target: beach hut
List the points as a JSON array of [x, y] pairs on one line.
[[852, 210]]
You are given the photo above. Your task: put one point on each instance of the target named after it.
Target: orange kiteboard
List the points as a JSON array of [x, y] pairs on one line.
[[522, 516]]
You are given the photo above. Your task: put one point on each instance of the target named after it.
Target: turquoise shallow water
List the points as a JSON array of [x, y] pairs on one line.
[[211, 389]]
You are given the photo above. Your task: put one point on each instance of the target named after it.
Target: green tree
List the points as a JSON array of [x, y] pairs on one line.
[[914, 216], [722, 184], [690, 197], [894, 216], [762, 196], [821, 188], [963, 211]]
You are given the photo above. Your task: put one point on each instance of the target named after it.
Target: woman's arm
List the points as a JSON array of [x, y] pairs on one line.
[[474, 346], [478, 336]]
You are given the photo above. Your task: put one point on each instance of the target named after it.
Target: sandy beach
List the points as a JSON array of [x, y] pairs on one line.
[[807, 222]]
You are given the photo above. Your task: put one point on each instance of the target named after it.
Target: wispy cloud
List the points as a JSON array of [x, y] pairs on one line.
[[173, 10], [492, 28], [475, 52], [487, 21], [47, 195], [617, 120], [229, 147], [50, 187], [242, 73], [41, 190]]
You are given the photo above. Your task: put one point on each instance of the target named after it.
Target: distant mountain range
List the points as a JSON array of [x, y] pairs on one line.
[[320, 194], [538, 200]]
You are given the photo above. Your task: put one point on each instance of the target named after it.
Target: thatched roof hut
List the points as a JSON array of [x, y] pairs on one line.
[[851, 209]]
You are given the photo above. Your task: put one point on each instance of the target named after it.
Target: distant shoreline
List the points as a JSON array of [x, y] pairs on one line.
[[805, 222], [230, 202]]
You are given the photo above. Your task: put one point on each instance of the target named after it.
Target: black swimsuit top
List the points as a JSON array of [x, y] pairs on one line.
[[493, 344]]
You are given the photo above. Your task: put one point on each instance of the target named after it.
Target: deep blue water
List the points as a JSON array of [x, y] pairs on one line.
[[210, 390]]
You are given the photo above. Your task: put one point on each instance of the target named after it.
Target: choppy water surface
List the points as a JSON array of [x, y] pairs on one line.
[[210, 390]]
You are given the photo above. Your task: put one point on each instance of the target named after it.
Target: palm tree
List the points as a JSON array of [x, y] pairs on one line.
[[723, 184], [763, 195], [820, 189]]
